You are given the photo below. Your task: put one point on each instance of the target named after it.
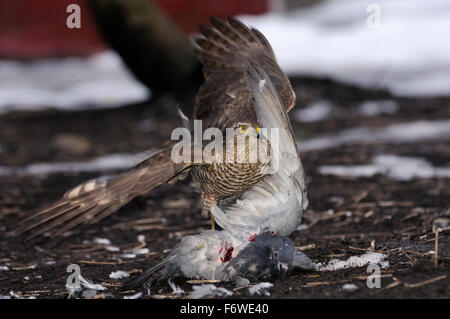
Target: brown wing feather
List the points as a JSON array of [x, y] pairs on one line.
[[96, 199], [225, 50]]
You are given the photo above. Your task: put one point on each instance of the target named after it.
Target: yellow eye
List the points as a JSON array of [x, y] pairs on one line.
[[242, 129]]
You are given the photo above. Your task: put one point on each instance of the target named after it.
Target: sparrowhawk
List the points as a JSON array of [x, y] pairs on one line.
[[224, 100]]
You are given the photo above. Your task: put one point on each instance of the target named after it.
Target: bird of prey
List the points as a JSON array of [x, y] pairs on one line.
[[221, 255], [224, 101], [276, 204]]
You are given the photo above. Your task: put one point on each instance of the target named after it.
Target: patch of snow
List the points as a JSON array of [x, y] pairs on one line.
[[408, 53], [119, 274], [349, 171], [141, 251], [314, 112], [355, 261], [406, 168], [102, 241], [372, 108], [128, 256], [350, 287], [112, 248], [4, 268], [99, 81], [408, 132], [261, 289], [101, 163], [135, 296], [241, 281], [401, 168], [209, 290], [336, 199]]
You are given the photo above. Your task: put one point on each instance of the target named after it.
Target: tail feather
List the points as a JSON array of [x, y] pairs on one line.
[[138, 282]]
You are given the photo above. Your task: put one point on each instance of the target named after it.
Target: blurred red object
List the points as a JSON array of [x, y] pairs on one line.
[[188, 14], [34, 29]]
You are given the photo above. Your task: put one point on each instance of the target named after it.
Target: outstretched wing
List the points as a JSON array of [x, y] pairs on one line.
[[277, 202], [225, 50], [96, 199]]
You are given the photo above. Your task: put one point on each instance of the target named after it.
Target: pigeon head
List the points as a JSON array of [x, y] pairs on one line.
[[267, 255], [279, 251]]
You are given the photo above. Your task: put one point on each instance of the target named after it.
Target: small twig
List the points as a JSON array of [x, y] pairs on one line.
[[393, 284], [306, 247], [365, 277], [439, 224], [142, 242], [436, 246], [324, 283], [36, 291], [395, 203], [417, 253], [42, 250], [426, 282], [366, 249], [93, 262], [201, 281], [362, 235], [336, 255], [243, 287], [24, 267], [411, 261]]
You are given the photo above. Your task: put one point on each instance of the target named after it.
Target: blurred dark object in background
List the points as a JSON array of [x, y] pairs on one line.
[[153, 48]]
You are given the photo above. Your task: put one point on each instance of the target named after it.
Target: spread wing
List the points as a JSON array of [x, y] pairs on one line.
[[277, 202], [225, 50], [96, 199]]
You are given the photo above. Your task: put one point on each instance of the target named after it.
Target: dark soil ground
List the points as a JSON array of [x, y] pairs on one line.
[[345, 215]]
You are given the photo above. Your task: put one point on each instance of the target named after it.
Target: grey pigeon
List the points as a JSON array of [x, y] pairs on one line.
[[221, 255]]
